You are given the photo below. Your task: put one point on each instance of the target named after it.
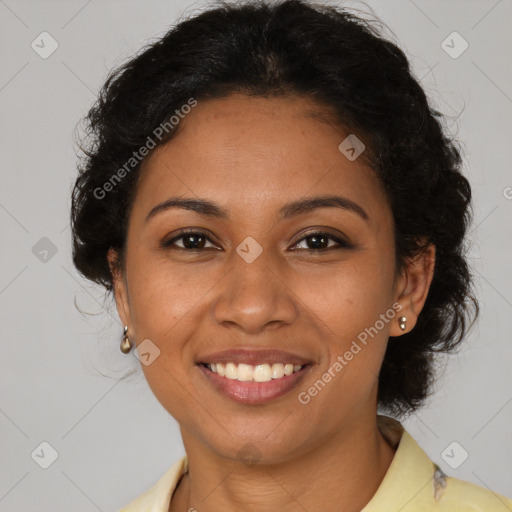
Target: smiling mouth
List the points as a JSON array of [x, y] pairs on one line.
[[253, 373], [254, 384]]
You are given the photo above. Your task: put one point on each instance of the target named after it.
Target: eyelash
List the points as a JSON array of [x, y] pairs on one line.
[[342, 244]]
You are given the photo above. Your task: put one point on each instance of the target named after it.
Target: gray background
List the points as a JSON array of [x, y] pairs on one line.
[[113, 439]]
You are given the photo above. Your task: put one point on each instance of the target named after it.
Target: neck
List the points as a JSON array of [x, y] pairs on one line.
[[346, 469]]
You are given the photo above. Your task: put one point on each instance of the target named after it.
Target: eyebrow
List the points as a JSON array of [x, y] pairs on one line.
[[210, 209]]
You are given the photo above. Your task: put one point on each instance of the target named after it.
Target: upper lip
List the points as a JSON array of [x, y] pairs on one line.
[[253, 357]]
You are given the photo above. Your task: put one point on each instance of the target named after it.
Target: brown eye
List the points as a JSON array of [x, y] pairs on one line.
[[192, 241], [318, 242]]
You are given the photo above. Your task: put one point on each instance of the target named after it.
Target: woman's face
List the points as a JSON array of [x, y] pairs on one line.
[[265, 275]]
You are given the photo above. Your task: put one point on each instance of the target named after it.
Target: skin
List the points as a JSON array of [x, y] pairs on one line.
[[251, 156]]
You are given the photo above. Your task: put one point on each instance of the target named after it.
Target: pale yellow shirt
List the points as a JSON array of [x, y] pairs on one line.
[[413, 483]]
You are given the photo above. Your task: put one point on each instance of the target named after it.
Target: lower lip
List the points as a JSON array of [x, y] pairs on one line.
[[254, 392]]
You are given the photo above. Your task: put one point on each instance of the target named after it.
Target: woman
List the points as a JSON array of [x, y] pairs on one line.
[[282, 221]]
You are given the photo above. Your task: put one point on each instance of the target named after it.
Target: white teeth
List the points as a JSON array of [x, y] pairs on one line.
[[288, 369], [231, 371], [245, 372], [262, 373], [277, 371], [256, 373]]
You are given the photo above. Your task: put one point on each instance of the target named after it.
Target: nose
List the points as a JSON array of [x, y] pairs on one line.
[[254, 295]]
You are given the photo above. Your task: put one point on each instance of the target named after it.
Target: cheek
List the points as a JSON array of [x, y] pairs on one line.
[[353, 309], [166, 302], [162, 296], [350, 296]]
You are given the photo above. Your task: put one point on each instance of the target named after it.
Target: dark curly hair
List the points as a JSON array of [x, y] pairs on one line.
[[341, 61]]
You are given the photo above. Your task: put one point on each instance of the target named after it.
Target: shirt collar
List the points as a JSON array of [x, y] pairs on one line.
[[412, 479]]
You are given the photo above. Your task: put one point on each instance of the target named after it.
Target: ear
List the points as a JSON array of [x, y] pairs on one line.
[[120, 288], [412, 289]]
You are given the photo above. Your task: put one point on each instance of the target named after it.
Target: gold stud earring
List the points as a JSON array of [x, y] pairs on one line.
[[126, 344], [401, 322]]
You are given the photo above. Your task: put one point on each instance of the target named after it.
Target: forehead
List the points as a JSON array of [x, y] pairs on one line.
[[247, 152]]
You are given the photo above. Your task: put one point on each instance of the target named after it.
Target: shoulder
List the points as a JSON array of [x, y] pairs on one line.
[[463, 496], [158, 497], [414, 482]]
